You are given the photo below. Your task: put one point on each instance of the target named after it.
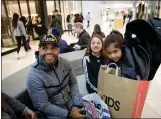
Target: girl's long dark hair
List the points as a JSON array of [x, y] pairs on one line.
[[23, 19], [14, 20], [114, 37], [68, 18], [37, 21], [97, 29]]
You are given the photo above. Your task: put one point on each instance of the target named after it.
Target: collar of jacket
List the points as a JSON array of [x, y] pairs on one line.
[[39, 64], [95, 56], [82, 32]]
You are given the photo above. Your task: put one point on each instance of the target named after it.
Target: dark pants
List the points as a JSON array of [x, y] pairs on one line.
[[88, 24], [72, 44], [19, 39], [70, 28], [70, 49], [28, 43]]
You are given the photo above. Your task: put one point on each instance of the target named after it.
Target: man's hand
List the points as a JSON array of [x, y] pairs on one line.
[[29, 114], [77, 47], [76, 113], [74, 109]]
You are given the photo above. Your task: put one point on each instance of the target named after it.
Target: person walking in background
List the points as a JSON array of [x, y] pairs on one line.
[[78, 18], [88, 18], [81, 15], [11, 106], [130, 16], [39, 27], [69, 23], [57, 21], [23, 19], [19, 33], [92, 61], [97, 30], [124, 17], [29, 29]]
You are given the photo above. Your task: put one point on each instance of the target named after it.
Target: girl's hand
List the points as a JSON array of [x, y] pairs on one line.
[[104, 66]]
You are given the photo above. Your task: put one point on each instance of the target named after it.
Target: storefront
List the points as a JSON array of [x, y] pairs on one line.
[[9, 7], [148, 9], [64, 8], [32, 8]]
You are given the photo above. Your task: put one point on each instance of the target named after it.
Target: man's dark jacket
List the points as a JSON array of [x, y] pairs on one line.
[[84, 37]]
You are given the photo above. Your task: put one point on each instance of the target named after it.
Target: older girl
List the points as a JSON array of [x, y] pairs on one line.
[[92, 61]]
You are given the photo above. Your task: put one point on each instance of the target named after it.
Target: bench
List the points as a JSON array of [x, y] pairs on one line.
[[75, 58], [15, 84]]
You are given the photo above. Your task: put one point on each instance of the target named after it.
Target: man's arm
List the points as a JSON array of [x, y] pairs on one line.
[[72, 44], [40, 100], [75, 94], [16, 105], [85, 40]]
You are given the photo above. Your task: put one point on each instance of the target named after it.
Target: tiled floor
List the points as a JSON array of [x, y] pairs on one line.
[[10, 65]]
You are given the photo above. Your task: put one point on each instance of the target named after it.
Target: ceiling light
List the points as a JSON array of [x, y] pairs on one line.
[[10, 2]]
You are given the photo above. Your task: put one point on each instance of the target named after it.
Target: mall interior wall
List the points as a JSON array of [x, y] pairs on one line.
[[95, 9]]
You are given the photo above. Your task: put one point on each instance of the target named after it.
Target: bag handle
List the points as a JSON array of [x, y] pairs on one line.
[[117, 68]]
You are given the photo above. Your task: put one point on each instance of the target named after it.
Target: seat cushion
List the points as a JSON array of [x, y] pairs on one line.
[[75, 58]]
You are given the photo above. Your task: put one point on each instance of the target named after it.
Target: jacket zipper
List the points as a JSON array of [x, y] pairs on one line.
[[149, 61], [60, 91]]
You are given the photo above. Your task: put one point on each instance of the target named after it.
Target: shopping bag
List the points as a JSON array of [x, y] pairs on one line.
[[95, 107], [124, 97]]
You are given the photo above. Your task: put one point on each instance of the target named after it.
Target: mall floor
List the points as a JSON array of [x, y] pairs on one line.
[[10, 65]]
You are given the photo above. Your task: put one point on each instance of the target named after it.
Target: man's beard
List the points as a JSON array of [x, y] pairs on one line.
[[49, 64]]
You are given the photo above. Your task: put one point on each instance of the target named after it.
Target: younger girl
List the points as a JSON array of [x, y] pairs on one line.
[[92, 61], [114, 47]]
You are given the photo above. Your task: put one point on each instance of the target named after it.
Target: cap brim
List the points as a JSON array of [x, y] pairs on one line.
[[55, 44]]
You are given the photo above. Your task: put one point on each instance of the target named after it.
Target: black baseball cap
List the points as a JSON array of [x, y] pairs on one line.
[[49, 39]]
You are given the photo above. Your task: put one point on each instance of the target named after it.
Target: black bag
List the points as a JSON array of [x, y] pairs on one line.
[[144, 49], [156, 25]]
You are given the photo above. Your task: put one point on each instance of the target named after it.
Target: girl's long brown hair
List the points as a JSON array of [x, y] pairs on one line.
[[14, 20], [89, 51]]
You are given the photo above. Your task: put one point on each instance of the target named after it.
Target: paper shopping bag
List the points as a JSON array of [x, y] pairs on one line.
[[124, 97]]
